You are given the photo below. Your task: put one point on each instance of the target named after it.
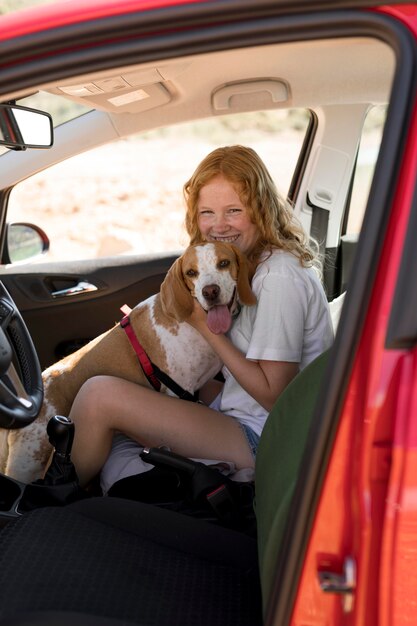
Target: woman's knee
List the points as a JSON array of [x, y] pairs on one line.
[[92, 396]]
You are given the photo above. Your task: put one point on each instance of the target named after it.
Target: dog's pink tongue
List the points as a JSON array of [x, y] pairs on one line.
[[219, 319]]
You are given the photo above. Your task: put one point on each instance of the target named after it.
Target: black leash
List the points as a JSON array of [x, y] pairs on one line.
[[173, 386]]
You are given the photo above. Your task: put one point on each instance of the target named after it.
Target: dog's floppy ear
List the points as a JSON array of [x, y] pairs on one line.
[[176, 299], [245, 293]]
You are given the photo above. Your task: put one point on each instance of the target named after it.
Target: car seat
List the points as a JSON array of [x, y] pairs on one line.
[[109, 561]]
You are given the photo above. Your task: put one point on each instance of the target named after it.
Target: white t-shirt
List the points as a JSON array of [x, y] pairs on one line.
[[290, 322]]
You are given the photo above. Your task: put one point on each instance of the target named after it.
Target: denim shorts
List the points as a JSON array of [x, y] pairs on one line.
[[252, 438]]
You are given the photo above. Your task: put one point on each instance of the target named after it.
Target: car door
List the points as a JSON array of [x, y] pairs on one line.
[[352, 539]]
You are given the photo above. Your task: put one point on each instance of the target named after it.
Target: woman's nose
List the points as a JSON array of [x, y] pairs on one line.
[[221, 223]]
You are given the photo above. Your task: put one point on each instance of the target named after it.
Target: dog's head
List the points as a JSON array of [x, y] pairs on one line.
[[217, 275]]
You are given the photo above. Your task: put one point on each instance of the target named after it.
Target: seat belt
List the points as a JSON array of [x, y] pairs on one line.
[[319, 225]]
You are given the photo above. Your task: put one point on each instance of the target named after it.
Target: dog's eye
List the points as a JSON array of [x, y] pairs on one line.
[[191, 273], [223, 263]]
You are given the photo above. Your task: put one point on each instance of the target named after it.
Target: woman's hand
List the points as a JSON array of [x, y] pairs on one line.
[[198, 318], [263, 380]]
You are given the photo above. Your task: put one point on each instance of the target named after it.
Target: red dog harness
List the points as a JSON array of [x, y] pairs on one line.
[[144, 360], [152, 372]]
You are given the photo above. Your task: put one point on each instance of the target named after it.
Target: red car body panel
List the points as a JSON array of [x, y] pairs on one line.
[[57, 15], [368, 509]]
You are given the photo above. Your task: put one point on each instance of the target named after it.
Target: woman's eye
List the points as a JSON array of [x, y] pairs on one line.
[[191, 273], [223, 263]]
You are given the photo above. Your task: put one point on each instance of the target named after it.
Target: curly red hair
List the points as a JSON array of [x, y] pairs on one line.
[[272, 214]]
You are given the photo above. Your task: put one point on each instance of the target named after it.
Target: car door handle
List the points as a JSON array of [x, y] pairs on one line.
[[341, 584], [76, 290]]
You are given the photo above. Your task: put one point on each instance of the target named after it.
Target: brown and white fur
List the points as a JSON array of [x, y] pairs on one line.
[[213, 273]]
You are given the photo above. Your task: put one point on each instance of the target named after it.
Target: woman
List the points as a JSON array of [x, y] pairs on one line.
[[230, 197]]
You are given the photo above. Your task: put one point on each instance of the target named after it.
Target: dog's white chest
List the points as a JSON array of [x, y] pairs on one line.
[[190, 360]]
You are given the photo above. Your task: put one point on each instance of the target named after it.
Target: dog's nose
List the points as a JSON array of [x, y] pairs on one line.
[[211, 292]]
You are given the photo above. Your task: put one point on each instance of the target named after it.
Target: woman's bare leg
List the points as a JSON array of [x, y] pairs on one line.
[[105, 405]]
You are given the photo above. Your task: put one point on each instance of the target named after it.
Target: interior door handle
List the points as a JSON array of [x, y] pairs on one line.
[[82, 287]]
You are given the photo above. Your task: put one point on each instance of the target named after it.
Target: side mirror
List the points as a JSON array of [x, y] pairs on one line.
[[24, 242], [22, 128]]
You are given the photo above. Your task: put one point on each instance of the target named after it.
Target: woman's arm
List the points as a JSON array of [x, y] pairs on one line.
[[263, 380], [209, 391]]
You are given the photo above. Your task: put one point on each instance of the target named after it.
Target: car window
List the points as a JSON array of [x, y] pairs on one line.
[[365, 166], [61, 109], [126, 197]]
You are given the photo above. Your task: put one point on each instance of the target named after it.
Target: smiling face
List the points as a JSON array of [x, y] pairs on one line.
[[223, 217]]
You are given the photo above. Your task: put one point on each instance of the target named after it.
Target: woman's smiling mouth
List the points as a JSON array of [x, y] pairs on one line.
[[223, 238]]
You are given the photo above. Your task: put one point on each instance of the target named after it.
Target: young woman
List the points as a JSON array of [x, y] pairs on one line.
[[231, 198]]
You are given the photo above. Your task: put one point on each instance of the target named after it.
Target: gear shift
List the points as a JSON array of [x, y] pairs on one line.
[[60, 483], [61, 471], [60, 431]]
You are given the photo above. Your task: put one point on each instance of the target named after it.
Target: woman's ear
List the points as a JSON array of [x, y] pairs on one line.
[[244, 291], [176, 300]]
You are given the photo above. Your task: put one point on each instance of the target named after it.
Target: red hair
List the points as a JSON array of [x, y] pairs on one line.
[[272, 214]]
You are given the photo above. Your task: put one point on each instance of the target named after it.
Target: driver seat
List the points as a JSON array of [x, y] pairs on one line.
[[113, 562]]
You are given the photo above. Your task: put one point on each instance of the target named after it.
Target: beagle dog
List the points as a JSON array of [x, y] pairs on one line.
[[216, 274]]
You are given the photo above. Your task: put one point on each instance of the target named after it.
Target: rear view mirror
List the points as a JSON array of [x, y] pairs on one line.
[[22, 128]]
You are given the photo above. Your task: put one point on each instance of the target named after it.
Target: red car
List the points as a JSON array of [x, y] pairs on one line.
[[137, 90]]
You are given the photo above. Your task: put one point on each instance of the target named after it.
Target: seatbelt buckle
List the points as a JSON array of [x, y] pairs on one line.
[[222, 502]]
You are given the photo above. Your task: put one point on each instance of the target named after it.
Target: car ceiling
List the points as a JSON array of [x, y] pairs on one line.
[[330, 71], [297, 74]]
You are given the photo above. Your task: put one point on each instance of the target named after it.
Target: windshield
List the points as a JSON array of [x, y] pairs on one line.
[[61, 109]]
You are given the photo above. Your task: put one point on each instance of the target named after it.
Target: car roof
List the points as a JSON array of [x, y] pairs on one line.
[[60, 13]]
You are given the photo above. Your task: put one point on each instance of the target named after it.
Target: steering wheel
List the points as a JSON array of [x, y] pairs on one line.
[[21, 386]]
